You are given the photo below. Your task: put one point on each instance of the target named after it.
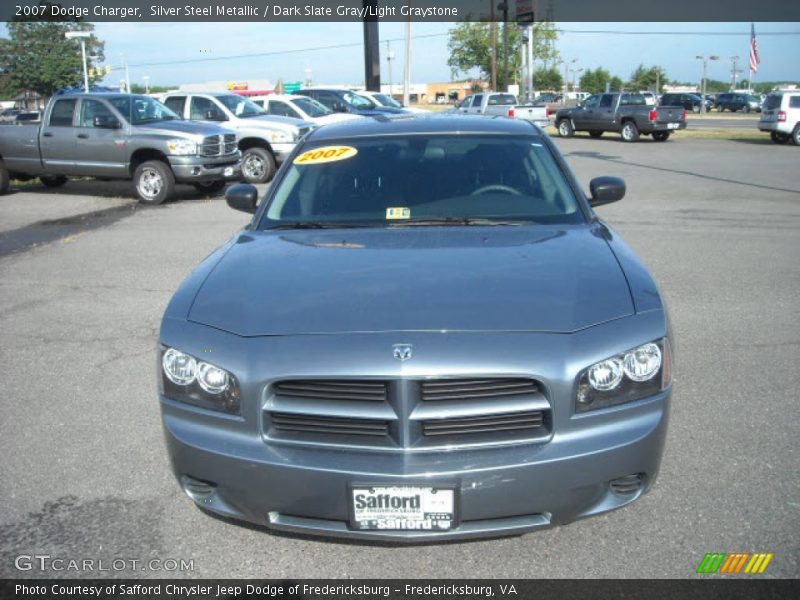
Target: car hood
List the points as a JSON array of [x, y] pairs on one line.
[[547, 279], [187, 128]]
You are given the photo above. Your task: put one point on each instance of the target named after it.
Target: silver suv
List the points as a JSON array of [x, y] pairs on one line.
[[781, 116]]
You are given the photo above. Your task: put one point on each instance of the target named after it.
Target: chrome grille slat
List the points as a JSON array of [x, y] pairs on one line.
[[218, 145]]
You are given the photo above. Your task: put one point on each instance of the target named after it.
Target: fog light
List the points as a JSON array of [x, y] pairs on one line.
[[625, 486], [198, 490]]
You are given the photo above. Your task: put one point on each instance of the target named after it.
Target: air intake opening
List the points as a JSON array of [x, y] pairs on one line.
[[198, 490], [628, 485]]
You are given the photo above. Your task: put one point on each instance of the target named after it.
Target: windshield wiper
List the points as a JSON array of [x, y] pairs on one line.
[[316, 225], [460, 221]]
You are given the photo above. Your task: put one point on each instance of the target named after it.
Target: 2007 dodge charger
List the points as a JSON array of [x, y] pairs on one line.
[[425, 333]]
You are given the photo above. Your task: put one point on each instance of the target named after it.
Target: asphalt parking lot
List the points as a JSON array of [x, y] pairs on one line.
[[84, 469]]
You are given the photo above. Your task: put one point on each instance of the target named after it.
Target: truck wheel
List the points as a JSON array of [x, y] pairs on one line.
[[565, 128], [661, 136], [154, 182], [258, 165], [695, 108], [778, 137], [595, 134], [54, 181], [796, 135], [746, 108], [630, 133], [5, 178], [210, 188]]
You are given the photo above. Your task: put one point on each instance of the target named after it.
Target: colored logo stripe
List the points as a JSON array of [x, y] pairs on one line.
[[758, 563], [733, 563]]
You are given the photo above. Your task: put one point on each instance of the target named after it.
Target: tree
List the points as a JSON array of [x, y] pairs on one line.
[[615, 84], [647, 78], [470, 48], [36, 56], [594, 81], [548, 79]]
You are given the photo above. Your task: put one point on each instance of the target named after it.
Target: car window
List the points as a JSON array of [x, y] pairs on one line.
[[327, 99], [794, 101], [142, 109], [276, 107], [61, 113], [465, 103], [176, 104], [240, 106], [592, 101], [501, 99], [606, 100], [477, 99], [200, 107], [311, 107], [358, 101], [391, 180], [91, 109]]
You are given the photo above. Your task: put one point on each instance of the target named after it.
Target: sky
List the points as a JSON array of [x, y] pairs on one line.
[[185, 44]]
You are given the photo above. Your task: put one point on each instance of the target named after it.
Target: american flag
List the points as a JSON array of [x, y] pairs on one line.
[[754, 58]]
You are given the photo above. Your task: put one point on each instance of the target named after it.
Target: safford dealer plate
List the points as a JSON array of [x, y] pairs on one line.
[[402, 507]]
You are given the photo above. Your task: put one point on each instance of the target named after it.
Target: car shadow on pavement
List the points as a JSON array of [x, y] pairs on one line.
[[105, 189]]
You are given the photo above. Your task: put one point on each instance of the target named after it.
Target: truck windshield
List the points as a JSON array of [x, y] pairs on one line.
[[142, 109], [387, 101], [358, 101], [311, 107], [423, 180], [241, 107]]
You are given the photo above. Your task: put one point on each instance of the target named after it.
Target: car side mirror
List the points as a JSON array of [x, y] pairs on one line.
[[106, 122], [242, 196], [215, 115], [606, 190]]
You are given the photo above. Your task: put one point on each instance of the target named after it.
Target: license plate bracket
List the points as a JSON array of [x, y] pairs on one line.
[[403, 507]]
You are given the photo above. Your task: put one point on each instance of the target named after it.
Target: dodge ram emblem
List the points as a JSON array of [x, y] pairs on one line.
[[403, 351]]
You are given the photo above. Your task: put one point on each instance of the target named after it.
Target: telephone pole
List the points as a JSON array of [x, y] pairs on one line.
[[734, 71]]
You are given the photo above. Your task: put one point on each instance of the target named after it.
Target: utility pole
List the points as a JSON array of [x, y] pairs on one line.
[[504, 6], [81, 35], [734, 71], [530, 62], [705, 60], [372, 50], [146, 83], [389, 59], [407, 67], [493, 44]]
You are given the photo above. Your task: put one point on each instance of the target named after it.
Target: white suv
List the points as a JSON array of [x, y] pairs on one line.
[[780, 116]]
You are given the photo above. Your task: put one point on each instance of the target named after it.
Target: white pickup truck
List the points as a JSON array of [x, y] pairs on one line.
[[505, 105]]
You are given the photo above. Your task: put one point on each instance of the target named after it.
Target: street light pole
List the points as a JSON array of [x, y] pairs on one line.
[[82, 35], [705, 60], [146, 83]]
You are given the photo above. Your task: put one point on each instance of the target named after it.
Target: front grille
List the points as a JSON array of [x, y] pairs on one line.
[[333, 390], [484, 424], [328, 425], [466, 389], [218, 145]]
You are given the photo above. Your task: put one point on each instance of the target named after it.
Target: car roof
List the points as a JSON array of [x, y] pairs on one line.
[[455, 124]]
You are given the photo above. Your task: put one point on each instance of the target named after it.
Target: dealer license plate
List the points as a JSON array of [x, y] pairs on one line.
[[228, 172], [673, 125], [402, 507]]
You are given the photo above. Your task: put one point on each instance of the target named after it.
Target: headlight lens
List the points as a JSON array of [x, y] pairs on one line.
[[182, 147], [200, 383], [280, 136], [629, 376]]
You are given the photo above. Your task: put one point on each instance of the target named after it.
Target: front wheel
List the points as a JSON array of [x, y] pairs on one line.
[[778, 137], [661, 136], [258, 165], [630, 133], [53, 181], [210, 188], [154, 181], [747, 109], [5, 178], [595, 134], [565, 128], [796, 135]]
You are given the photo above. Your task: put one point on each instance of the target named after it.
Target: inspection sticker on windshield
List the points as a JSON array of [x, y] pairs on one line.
[[325, 154], [398, 212]]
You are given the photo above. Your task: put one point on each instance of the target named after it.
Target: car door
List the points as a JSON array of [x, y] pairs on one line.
[[604, 116], [582, 115], [475, 107], [58, 139], [101, 140]]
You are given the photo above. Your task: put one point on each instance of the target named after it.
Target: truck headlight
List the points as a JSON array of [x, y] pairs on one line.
[[182, 147], [632, 375], [187, 379], [282, 137]]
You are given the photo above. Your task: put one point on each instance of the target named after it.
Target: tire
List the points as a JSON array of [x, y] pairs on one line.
[[210, 188], [630, 133], [661, 136], [796, 135], [154, 182], [720, 109], [565, 128], [778, 137], [54, 181], [595, 134], [746, 108], [695, 108], [5, 179], [258, 165]]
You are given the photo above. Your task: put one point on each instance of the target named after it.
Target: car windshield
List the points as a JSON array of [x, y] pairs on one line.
[[387, 100], [311, 107], [423, 180], [358, 101], [241, 107], [142, 109]]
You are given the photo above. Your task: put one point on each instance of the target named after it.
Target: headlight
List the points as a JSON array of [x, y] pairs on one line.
[[196, 382], [181, 147], [633, 375], [280, 136]]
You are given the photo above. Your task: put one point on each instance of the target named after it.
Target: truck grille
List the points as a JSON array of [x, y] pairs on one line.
[[407, 415], [218, 145]]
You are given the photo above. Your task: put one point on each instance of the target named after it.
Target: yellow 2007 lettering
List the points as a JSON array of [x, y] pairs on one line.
[[325, 154]]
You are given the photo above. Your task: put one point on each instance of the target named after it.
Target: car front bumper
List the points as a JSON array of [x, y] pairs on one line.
[[200, 169], [501, 489]]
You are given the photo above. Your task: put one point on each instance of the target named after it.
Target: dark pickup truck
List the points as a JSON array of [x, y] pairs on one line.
[[625, 113]]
